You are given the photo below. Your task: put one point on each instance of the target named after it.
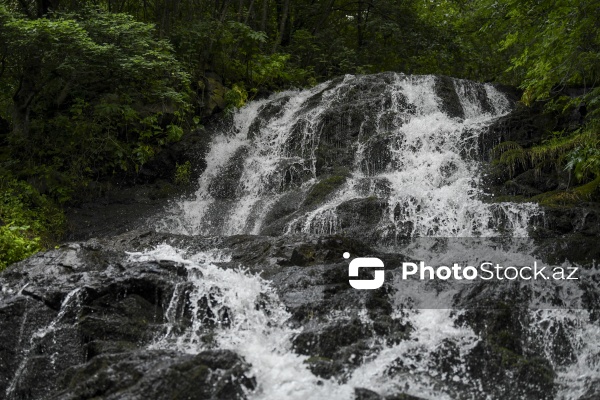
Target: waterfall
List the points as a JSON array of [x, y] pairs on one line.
[[254, 263], [305, 158], [407, 147]]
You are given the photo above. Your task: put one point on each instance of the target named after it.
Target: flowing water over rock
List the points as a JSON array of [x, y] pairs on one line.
[[402, 152], [241, 290]]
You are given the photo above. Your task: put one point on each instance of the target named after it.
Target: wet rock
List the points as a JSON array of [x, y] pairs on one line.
[[575, 220], [402, 396], [366, 394], [266, 113], [329, 341], [20, 319], [377, 155], [592, 392], [324, 189], [85, 303], [524, 125], [214, 374], [275, 221], [508, 375], [224, 185], [505, 355], [446, 92], [360, 216]]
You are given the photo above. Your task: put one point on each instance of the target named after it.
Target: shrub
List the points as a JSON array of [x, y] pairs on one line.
[[29, 222]]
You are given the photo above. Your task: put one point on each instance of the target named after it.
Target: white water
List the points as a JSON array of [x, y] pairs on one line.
[[262, 337], [431, 184], [422, 201]]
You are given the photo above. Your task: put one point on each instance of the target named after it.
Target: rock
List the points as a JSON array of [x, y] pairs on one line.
[[323, 190], [225, 185], [281, 212], [403, 396], [574, 220], [377, 155], [512, 376], [366, 394], [446, 92], [89, 314], [214, 374], [266, 113], [359, 217], [524, 125], [79, 304]]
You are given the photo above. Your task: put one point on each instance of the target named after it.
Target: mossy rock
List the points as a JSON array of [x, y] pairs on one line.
[[323, 189], [584, 193]]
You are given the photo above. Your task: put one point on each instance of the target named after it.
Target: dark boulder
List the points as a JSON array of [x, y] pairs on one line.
[[158, 374]]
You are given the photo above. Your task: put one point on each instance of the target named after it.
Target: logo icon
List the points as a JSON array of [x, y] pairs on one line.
[[365, 262]]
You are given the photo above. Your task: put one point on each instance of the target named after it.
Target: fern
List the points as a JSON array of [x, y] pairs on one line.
[[511, 155], [578, 152]]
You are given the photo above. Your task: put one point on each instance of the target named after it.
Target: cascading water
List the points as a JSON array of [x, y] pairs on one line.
[[306, 162], [395, 142], [390, 165]]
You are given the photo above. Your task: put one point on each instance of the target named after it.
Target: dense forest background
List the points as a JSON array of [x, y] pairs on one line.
[[93, 90]]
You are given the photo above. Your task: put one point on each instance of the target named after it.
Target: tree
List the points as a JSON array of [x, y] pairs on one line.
[[88, 93], [556, 47]]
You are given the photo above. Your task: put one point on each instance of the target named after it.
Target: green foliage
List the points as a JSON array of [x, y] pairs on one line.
[[15, 245], [587, 192], [29, 221], [578, 151], [511, 155], [183, 174], [584, 157], [89, 94], [556, 44], [236, 97], [92, 92]]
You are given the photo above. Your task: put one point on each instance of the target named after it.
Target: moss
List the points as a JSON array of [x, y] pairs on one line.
[[588, 192], [316, 359], [510, 155], [323, 189], [514, 199]]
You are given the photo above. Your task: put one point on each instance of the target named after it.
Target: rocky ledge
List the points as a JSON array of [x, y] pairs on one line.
[[82, 322]]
